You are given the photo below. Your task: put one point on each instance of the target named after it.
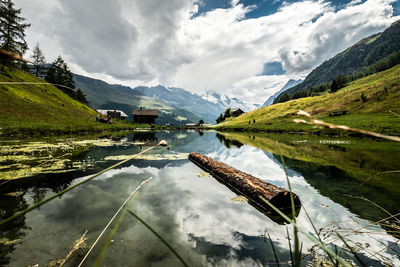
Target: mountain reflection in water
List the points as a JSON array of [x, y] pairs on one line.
[[193, 213]]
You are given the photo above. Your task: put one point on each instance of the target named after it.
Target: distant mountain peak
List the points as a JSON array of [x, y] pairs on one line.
[[225, 101], [290, 84]]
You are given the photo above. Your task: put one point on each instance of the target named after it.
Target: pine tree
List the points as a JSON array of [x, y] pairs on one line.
[[60, 75], [334, 86], [38, 60], [24, 66], [12, 29], [220, 118], [227, 113], [81, 97], [284, 98]]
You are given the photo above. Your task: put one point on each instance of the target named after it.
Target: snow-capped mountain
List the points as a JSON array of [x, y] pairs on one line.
[[183, 99], [209, 105], [291, 83], [225, 102]]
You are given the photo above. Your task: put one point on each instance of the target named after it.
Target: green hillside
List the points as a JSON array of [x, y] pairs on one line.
[[102, 95], [42, 108], [373, 103], [357, 58]]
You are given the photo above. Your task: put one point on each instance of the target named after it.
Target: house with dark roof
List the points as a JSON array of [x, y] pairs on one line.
[[145, 116], [237, 112]]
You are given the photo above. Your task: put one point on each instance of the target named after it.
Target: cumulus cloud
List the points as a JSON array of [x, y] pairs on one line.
[[156, 41], [232, 51], [334, 32], [96, 36]]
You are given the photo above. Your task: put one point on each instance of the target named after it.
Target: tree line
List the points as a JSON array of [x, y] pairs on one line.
[[12, 42], [225, 115]]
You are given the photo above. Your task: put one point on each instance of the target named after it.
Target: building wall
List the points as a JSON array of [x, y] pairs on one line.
[[144, 119]]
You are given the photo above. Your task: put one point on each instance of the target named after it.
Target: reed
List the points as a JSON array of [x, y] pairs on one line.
[[314, 121], [159, 237], [296, 254], [126, 204]]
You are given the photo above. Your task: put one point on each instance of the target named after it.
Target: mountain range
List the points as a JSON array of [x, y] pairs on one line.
[[175, 105], [361, 55], [178, 106], [102, 95], [225, 102]]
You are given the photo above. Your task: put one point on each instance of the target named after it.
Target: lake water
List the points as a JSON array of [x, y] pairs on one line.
[[203, 220]]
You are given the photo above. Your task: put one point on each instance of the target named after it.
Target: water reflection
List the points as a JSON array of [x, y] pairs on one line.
[[228, 142], [323, 167], [193, 213], [343, 188], [12, 233]]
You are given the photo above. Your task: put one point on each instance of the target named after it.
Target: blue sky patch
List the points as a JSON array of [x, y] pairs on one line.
[[273, 68], [396, 8], [268, 7], [208, 5]]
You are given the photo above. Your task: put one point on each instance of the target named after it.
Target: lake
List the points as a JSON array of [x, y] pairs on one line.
[[346, 185]]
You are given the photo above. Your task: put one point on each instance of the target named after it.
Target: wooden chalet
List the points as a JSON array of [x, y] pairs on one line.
[[237, 112], [145, 116]]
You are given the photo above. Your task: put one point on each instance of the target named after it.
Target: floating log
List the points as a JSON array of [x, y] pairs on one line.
[[247, 185]]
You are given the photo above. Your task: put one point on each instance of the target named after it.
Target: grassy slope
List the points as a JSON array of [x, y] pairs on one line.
[[372, 115], [42, 108]]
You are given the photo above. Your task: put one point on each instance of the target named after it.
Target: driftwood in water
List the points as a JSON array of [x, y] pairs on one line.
[[247, 185]]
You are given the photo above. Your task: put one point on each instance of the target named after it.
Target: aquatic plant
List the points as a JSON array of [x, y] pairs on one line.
[[44, 201]]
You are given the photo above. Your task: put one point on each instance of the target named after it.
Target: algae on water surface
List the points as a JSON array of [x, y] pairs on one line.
[[27, 159]]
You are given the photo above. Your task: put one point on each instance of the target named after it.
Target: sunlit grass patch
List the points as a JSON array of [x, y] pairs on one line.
[[42, 109], [367, 102]]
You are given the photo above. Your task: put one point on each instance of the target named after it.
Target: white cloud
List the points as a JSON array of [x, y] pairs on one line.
[[232, 51], [155, 41], [258, 87]]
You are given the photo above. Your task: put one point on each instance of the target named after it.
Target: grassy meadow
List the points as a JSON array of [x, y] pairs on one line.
[[373, 104], [42, 109]]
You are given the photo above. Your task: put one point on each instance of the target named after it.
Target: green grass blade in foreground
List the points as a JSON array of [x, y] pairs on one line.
[[290, 246], [297, 252], [159, 237], [352, 251], [44, 201], [112, 233], [301, 249], [310, 237], [128, 200], [318, 235], [336, 261], [273, 249]]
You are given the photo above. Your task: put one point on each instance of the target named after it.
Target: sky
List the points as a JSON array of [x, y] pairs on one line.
[[241, 48]]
